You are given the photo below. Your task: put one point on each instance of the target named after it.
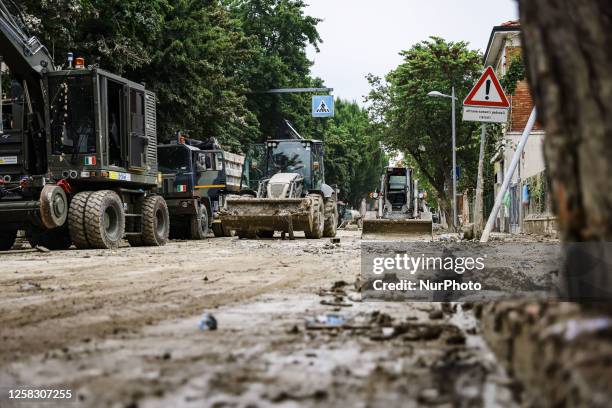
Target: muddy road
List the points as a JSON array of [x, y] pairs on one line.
[[120, 329]]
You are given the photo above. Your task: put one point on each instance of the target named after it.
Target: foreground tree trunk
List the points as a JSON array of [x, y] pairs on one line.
[[569, 67]]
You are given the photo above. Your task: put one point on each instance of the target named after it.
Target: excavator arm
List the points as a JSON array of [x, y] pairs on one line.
[[24, 54], [28, 61]]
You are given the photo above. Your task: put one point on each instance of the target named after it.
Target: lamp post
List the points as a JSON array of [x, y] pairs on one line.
[[454, 170]]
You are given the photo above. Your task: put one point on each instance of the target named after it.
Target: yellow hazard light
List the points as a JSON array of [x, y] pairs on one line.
[[79, 63]]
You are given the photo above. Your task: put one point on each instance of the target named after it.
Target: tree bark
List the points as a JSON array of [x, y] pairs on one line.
[[569, 66], [478, 203]]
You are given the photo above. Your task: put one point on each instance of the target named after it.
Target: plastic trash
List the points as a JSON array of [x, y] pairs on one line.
[[207, 322], [331, 320]]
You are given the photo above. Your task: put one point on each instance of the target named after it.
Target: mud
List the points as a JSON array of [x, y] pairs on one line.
[[559, 352], [120, 328]]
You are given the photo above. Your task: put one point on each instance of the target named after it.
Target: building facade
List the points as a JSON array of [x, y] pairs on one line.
[[527, 205]]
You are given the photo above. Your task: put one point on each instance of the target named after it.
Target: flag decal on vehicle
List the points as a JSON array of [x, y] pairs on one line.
[[181, 188], [90, 160]]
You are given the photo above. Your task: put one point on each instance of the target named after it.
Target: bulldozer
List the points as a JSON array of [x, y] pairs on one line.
[[283, 189], [78, 151], [401, 212]]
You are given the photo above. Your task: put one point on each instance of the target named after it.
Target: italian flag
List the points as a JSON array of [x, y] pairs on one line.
[[181, 188], [90, 160]]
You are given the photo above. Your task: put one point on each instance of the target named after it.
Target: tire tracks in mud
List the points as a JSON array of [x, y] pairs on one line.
[[95, 304]]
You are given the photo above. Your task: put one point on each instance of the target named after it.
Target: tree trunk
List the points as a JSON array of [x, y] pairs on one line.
[[478, 203], [445, 209], [569, 67]]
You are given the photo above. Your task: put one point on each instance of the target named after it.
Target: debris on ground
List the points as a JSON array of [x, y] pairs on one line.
[[325, 321], [207, 322], [436, 314], [29, 286]]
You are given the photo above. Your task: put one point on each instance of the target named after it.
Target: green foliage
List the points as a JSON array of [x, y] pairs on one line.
[[514, 74], [354, 160], [208, 61], [281, 33], [410, 121]]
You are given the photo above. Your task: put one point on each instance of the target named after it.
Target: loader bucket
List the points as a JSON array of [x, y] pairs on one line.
[[397, 230], [267, 214]]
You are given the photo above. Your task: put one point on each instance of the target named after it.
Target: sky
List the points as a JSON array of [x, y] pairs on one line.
[[366, 36]]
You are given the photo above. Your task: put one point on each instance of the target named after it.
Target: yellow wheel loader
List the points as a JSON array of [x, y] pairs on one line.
[[401, 212], [283, 189]]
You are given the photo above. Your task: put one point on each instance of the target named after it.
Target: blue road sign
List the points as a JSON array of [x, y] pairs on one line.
[[323, 106]]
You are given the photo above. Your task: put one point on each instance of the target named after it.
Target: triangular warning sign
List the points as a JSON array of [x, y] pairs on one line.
[[487, 92], [323, 108]]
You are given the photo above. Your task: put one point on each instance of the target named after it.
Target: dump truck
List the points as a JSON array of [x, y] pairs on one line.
[[78, 151], [401, 211], [197, 176], [283, 189]]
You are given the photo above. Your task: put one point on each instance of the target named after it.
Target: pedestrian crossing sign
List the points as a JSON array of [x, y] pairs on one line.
[[323, 106]]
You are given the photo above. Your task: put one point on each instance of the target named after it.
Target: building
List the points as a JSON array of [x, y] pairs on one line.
[[531, 212]]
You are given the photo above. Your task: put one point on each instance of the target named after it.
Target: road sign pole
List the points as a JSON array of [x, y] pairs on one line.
[[454, 164], [508, 177]]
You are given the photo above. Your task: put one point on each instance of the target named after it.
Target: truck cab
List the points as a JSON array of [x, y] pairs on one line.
[[195, 183]]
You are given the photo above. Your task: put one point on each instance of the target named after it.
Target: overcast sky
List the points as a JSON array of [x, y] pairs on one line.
[[365, 36]]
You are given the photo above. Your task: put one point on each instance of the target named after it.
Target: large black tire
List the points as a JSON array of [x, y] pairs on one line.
[[265, 234], [243, 234], [179, 227], [57, 239], [198, 224], [318, 218], [331, 218], [155, 221], [76, 220], [7, 239], [104, 220], [218, 229]]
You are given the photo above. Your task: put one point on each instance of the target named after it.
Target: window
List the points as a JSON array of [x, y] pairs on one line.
[[138, 140], [173, 159], [72, 114]]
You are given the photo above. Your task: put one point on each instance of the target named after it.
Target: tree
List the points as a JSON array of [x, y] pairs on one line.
[[354, 159], [410, 121], [193, 71], [281, 32], [187, 51], [569, 68]]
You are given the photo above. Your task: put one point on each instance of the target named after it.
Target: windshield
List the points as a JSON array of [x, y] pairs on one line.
[[290, 157], [72, 114], [174, 159], [254, 166], [397, 182]]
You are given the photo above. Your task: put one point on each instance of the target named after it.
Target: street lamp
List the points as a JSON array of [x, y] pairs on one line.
[[454, 171]]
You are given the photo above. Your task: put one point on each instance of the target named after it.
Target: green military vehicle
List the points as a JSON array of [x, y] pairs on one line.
[[195, 184], [78, 152]]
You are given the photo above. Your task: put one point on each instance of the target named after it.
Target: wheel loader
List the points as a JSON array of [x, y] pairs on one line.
[[283, 189], [401, 210], [78, 151]]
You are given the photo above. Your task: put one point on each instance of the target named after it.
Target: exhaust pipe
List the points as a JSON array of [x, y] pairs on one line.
[[73, 174]]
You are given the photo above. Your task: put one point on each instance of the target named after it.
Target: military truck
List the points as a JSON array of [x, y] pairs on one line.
[[78, 154], [283, 189], [195, 184]]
